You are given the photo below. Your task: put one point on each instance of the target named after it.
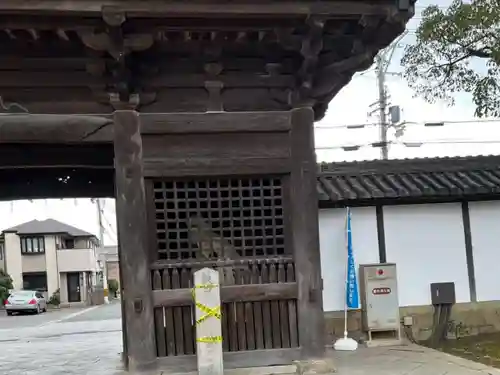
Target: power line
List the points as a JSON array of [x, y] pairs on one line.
[[411, 123], [109, 225], [409, 144], [101, 220]]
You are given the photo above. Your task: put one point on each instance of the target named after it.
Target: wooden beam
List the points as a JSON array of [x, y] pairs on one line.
[[160, 9], [70, 107], [50, 79], [198, 263], [76, 23], [229, 79], [99, 128], [26, 49], [53, 155], [234, 63], [47, 63], [203, 166], [232, 360], [50, 128], [70, 79], [49, 22], [35, 97], [235, 293], [58, 183], [134, 254], [216, 122], [211, 154], [305, 234]]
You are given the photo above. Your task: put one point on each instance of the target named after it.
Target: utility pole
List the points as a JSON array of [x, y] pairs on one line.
[[99, 219], [382, 105], [382, 62], [102, 254]]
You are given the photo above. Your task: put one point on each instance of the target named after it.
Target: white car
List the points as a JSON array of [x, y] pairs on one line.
[[25, 301]]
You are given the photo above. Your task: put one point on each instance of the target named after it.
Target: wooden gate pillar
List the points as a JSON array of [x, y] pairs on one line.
[[305, 234], [132, 231]]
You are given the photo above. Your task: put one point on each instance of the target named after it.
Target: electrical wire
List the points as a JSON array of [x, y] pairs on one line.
[[109, 224], [409, 144], [410, 123], [441, 320], [407, 330], [110, 231]]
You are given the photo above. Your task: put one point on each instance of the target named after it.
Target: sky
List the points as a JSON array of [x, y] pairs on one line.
[[352, 105], [349, 107]]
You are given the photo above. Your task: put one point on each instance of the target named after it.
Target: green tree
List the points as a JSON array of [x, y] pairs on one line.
[[457, 50], [113, 287], [5, 285]]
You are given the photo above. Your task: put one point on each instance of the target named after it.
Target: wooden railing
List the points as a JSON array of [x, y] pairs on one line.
[[259, 309]]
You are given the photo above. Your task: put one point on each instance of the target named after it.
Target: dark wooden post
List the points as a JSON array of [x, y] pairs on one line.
[[132, 229], [305, 234], [122, 306]]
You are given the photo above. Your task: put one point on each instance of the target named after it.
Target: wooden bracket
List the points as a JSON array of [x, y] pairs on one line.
[[312, 44], [118, 104], [404, 5], [113, 16], [214, 87], [273, 69]]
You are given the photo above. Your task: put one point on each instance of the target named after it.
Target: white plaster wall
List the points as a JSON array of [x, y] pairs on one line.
[[332, 230], [13, 259], [76, 260], [427, 244], [33, 263], [51, 264], [64, 287], [485, 223], [83, 286]]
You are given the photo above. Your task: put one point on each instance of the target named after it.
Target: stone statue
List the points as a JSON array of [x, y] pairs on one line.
[[212, 245]]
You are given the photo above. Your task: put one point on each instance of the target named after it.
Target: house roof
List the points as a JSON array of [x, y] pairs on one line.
[[48, 226], [409, 179]]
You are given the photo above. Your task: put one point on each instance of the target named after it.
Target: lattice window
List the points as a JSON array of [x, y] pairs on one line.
[[219, 218]]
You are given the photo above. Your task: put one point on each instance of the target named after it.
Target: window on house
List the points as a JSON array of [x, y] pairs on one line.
[[32, 245], [35, 281], [69, 243]]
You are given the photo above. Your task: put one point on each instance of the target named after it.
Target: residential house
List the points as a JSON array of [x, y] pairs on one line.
[[437, 219], [108, 256], [49, 255]]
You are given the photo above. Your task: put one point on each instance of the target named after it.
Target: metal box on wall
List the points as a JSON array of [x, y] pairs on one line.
[[379, 299]]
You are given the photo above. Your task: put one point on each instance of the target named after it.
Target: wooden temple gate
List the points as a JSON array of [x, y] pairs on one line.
[[203, 113], [217, 191]]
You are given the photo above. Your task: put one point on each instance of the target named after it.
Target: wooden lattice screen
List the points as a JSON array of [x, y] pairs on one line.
[[237, 225], [219, 218]]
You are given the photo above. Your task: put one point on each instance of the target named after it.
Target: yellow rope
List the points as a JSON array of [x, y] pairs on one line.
[[210, 339], [214, 312]]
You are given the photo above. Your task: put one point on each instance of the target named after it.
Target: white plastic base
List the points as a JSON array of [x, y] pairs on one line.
[[346, 344], [106, 300]]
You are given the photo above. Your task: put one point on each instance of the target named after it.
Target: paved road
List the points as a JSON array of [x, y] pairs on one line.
[[71, 342], [88, 342], [406, 360], [31, 320]]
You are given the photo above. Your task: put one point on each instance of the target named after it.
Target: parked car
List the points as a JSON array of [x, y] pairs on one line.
[[25, 301]]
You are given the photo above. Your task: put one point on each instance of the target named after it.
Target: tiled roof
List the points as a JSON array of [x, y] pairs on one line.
[[48, 226], [410, 179]]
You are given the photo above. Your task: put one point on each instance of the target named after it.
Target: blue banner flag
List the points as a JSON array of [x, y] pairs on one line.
[[352, 296]]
